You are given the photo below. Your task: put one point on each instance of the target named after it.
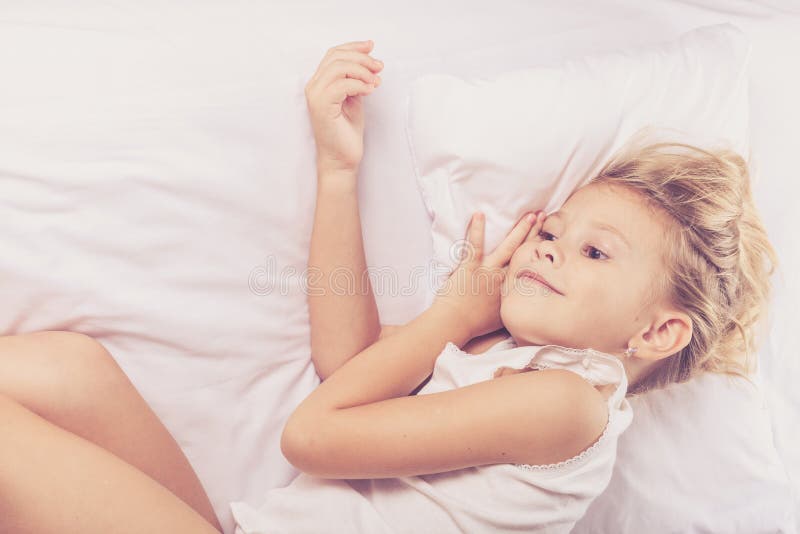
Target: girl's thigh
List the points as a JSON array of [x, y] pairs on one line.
[[71, 381], [52, 481]]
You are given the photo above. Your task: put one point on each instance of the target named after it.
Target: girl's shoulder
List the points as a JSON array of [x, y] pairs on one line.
[[555, 408]]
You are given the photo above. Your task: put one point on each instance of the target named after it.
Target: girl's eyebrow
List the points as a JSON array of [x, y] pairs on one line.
[[600, 226], [613, 230]]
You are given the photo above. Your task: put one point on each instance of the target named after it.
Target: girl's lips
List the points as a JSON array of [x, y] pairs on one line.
[[528, 273]]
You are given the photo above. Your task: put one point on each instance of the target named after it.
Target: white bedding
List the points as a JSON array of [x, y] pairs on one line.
[[157, 184]]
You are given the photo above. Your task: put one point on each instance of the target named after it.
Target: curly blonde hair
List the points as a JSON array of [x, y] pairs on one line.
[[717, 255]]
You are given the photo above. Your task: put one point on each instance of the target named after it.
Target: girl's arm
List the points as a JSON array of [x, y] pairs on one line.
[[360, 423], [342, 309], [341, 306]]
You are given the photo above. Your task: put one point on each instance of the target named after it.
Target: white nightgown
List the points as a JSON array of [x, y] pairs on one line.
[[491, 498]]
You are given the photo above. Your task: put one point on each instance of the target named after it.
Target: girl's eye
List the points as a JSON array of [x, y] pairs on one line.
[[595, 253], [592, 252], [546, 236]]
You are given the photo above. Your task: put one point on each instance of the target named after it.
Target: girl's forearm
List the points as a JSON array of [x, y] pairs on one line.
[[390, 368], [342, 310]]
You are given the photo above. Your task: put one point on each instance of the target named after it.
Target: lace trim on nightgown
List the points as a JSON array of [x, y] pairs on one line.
[[578, 457], [569, 461]]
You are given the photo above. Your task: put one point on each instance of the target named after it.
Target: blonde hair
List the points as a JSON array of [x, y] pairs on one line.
[[717, 256]]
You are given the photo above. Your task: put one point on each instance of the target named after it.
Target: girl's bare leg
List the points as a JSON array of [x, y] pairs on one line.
[[52, 481], [70, 381]]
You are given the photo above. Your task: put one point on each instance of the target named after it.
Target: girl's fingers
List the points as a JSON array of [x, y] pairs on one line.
[[348, 60], [475, 236], [537, 227], [339, 90], [353, 56], [341, 69], [502, 254], [360, 47], [364, 46]]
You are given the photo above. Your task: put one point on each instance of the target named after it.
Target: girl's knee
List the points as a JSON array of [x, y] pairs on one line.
[[59, 372], [82, 357], [86, 371]]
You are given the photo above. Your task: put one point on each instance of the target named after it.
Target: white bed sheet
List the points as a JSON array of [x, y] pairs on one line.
[[224, 390]]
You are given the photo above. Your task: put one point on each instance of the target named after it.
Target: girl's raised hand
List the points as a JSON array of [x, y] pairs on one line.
[[333, 95], [472, 292]]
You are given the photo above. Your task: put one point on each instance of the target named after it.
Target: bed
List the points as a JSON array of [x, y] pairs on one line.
[[157, 189]]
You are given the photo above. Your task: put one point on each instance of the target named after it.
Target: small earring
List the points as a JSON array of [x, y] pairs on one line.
[[630, 351]]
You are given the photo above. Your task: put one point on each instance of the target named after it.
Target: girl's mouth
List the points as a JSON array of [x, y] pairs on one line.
[[537, 278]]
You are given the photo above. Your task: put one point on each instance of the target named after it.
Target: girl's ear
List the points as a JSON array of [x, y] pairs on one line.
[[668, 334]]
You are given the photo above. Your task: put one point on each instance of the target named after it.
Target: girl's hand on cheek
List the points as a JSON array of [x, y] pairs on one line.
[[333, 96], [472, 292]]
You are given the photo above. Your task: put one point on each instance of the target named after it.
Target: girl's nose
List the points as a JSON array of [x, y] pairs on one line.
[[548, 251]]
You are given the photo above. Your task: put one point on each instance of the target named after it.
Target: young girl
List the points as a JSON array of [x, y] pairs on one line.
[[653, 272]]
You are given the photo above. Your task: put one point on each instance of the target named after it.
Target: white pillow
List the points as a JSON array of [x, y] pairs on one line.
[[668, 479], [526, 139]]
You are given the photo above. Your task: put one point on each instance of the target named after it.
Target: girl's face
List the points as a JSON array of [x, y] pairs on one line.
[[601, 253]]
